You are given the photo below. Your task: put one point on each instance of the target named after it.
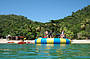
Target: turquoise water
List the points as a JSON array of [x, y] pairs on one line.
[[45, 51]]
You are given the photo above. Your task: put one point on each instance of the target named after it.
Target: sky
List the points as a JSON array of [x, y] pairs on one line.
[[42, 10]]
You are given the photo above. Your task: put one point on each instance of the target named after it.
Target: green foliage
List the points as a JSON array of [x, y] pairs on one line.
[[75, 26]]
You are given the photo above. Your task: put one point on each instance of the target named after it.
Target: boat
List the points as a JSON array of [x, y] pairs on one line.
[[21, 43]]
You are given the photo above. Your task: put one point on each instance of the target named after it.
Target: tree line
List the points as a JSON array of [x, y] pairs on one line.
[[76, 26]]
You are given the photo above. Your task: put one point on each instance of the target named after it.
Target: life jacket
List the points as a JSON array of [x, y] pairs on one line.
[[45, 37]]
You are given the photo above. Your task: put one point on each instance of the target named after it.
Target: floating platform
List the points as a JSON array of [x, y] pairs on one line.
[[52, 41]]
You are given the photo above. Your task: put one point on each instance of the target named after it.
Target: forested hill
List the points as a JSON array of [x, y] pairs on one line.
[[78, 23], [17, 25], [75, 26]]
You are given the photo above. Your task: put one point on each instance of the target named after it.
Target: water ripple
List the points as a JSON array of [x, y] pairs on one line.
[[44, 51]]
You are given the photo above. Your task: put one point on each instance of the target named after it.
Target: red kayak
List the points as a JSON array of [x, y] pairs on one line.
[[21, 42], [10, 42]]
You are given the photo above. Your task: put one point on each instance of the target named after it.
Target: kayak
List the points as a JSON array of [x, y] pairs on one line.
[[21, 42], [11, 42]]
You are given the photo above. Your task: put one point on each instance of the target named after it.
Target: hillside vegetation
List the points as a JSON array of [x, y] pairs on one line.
[[76, 26]]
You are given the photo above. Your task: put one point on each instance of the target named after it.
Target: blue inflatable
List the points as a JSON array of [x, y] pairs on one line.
[[52, 41]]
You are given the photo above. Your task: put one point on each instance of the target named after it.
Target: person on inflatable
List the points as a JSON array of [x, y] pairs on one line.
[[50, 34], [62, 35], [46, 34]]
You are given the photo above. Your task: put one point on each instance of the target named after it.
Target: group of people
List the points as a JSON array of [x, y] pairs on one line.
[[49, 34]]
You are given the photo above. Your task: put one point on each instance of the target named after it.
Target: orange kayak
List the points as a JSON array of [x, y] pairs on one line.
[[10, 42]]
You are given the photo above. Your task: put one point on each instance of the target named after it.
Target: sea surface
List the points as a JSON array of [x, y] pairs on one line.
[[44, 51]]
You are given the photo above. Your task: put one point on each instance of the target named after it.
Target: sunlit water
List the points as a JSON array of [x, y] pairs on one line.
[[45, 51]]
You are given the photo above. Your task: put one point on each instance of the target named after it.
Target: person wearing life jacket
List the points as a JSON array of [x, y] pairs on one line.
[[62, 34], [46, 34]]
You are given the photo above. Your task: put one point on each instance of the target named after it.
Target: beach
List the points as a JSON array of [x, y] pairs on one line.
[[32, 41], [14, 41], [80, 42]]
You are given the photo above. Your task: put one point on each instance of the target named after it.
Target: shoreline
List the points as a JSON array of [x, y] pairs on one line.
[[80, 42], [32, 41], [15, 41]]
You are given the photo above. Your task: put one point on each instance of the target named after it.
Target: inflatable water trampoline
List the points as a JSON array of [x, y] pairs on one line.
[[52, 41]]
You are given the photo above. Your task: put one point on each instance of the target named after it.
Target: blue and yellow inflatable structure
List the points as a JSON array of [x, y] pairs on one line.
[[52, 41]]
